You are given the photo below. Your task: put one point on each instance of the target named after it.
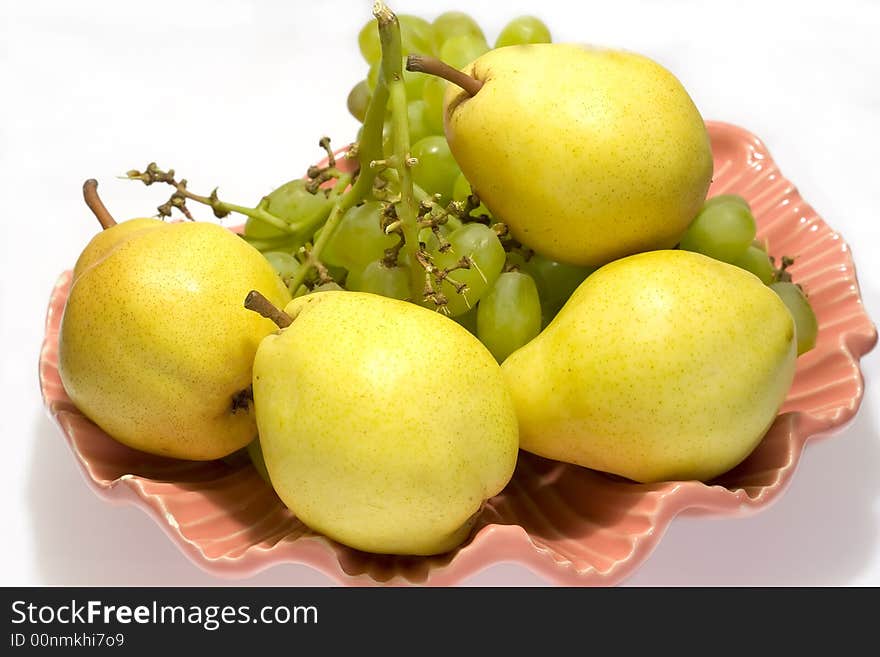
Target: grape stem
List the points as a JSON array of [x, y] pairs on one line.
[[392, 72], [297, 232], [102, 214], [781, 273], [262, 306], [153, 174], [348, 190], [391, 225], [331, 156], [439, 68], [369, 150]]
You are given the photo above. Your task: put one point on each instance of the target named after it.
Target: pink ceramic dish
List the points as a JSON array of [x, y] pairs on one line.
[[569, 524]]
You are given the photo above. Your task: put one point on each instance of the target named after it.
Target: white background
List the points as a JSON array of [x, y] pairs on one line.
[[237, 93]]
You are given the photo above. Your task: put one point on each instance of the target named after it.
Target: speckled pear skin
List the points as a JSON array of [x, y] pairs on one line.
[[384, 425], [155, 341], [106, 240], [665, 365], [587, 154]]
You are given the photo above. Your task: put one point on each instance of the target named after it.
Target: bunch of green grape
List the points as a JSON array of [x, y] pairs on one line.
[[468, 267], [725, 229], [455, 38], [500, 290], [506, 295]]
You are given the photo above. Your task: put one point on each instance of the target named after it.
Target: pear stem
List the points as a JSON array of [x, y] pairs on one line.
[[434, 66], [260, 304], [90, 194]]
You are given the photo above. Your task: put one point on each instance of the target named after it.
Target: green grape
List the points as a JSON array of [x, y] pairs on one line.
[[293, 203], [413, 81], [430, 239], [758, 262], [452, 223], [432, 93], [509, 316], [419, 126], [358, 238], [283, 263], [359, 100], [460, 192], [454, 23], [515, 259], [459, 51], [373, 76], [378, 278], [368, 42], [523, 30], [416, 113], [462, 188], [481, 246], [806, 326], [257, 229], [437, 169], [726, 198], [391, 179], [416, 35], [556, 282], [722, 230], [329, 286], [255, 452], [469, 319], [336, 273]]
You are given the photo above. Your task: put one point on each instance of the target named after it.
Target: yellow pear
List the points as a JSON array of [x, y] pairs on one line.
[[587, 154], [383, 425], [155, 346], [664, 365], [105, 241], [112, 233]]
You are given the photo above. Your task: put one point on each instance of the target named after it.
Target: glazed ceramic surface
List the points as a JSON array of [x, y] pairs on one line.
[[567, 523]]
